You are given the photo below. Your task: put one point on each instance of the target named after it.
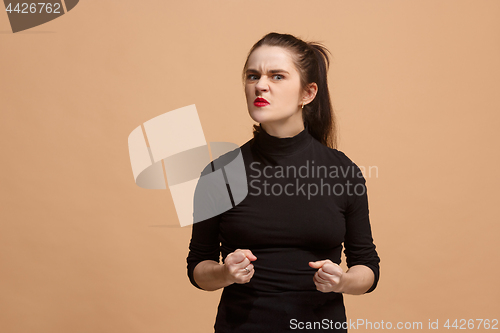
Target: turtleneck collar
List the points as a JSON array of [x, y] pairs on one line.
[[283, 146]]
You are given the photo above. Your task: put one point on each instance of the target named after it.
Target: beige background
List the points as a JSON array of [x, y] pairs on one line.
[[83, 249]]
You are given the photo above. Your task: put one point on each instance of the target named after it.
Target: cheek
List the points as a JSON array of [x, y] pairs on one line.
[[291, 96], [248, 91]]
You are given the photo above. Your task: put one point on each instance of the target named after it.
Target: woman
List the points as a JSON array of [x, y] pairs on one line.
[[282, 244]]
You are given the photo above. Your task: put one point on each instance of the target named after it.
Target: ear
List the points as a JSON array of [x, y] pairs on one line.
[[309, 93]]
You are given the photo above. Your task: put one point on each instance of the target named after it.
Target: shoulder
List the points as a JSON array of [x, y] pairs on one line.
[[223, 153], [345, 160], [340, 160], [333, 153]]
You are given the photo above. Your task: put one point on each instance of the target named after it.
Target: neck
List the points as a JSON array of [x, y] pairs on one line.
[[273, 145], [283, 130]]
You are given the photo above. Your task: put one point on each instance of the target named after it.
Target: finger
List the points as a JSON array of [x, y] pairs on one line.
[[238, 256], [321, 278], [317, 264], [236, 265], [244, 276], [330, 278], [332, 268], [244, 263], [250, 268], [323, 288], [246, 271], [247, 277], [249, 255], [321, 285]]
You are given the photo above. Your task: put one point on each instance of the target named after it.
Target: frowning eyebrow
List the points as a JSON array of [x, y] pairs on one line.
[[271, 71]]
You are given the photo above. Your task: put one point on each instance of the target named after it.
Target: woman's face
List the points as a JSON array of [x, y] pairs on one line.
[[271, 75]]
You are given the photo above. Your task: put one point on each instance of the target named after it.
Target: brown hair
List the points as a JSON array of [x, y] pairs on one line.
[[312, 62]]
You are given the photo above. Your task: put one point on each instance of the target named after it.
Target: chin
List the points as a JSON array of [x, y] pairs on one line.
[[258, 115]]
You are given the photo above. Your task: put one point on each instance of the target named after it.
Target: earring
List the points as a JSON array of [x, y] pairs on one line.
[[302, 105]]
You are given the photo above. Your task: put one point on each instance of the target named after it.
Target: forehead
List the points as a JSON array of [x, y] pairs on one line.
[[266, 57]]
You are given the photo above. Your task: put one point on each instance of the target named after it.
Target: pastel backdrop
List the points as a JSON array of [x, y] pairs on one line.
[[84, 249]]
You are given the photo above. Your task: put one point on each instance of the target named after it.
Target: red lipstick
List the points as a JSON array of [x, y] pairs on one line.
[[260, 102]]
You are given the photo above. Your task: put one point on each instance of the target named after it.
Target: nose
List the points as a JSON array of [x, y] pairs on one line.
[[262, 84]]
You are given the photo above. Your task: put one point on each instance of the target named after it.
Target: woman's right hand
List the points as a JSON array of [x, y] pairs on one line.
[[235, 265]]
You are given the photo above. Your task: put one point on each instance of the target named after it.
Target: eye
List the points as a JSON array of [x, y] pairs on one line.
[[281, 77], [251, 76]]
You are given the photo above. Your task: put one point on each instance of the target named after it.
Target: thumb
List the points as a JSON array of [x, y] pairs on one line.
[[316, 264], [250, 255]]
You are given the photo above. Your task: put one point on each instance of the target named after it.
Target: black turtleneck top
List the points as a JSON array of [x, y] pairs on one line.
[[305, 202]]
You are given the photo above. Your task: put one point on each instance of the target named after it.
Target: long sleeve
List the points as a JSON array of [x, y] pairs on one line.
[[359, 246], [204, 245]]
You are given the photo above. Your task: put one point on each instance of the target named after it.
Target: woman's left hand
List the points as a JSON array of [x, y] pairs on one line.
[[329, 276]]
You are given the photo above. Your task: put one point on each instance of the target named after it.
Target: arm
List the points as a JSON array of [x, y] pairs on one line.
[[361, 255], [210, 275], [204, 270], [362, 258], [357, 280], [204, 247]]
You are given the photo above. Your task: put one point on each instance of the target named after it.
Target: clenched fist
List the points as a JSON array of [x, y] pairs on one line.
[[328, 278], [238, 267]]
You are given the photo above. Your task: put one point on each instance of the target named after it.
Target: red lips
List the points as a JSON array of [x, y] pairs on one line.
[[260, 102]]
